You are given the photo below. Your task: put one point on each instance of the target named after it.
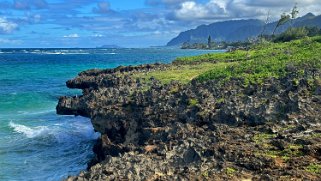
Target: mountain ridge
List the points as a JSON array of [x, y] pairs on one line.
[[238, 30]]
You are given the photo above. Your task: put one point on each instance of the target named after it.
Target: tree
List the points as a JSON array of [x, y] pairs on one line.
[[209, 42], [284, 19], [294, 13], [185, 45], [266, 22]]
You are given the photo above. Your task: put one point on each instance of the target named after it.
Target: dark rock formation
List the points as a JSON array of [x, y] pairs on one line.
[[229, 132]]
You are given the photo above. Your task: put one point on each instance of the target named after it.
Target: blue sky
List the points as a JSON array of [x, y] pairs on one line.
[[128, 23]]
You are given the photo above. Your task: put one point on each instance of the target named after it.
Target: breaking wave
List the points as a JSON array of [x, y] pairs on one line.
[[29, 132], [60, 132]]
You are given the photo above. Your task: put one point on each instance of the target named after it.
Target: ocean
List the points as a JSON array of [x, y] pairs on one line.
[[35, 143]]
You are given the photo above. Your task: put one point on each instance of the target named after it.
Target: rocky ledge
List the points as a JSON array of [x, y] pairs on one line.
[[198, 131]]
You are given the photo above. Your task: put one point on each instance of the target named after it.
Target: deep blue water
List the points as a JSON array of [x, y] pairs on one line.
[[35, 143]]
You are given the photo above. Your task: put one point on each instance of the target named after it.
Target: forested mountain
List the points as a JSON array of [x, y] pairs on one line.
[[239, 30]]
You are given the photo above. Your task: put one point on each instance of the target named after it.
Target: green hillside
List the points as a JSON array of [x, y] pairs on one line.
[[253, 66]]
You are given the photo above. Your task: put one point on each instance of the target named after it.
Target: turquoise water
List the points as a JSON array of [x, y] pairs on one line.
[[35, 143]]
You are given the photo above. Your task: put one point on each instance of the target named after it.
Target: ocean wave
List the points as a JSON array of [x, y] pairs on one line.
[[110, 53], [60, 53], [36, 112], [67, 132], [29, 132]]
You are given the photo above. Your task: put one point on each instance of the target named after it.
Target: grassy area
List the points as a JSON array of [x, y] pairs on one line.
[[314, 168], [222, 57], [260, 138], [182, 73], [268, 150], [253, 66], [230, 171], [270, 60]]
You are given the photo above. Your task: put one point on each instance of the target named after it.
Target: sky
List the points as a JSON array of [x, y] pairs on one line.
[[127, 23]]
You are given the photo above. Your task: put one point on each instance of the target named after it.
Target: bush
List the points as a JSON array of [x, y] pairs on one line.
[[268, 60], [292, 34], [297, 33], [313, 31]]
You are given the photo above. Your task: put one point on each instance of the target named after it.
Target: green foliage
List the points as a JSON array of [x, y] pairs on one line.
[[288, 153], [237, 55], [209, 42], [264, 61], [292, 34], [260, 62], [296, 82], [260, 138], [314, 168], [294, 11], [194, 46], [284, 19], [230, 171], [192, 102], [313, 31], [205, 174], [181, 73], [263, 140]]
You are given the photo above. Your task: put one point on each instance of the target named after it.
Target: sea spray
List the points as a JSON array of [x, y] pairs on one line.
[[28, 131]]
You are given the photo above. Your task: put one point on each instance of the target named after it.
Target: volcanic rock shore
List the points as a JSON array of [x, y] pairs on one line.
[[198, 131]]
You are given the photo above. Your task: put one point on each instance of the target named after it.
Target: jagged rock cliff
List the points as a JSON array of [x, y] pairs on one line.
[[198, 131]]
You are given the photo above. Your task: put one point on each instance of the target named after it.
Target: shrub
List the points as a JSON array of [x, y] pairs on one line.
[[292, 34]]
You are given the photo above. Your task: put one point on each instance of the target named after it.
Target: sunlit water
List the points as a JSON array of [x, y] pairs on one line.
[[35, 143]]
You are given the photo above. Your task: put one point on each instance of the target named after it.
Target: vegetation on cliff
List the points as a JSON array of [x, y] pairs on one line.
[[262, 61]]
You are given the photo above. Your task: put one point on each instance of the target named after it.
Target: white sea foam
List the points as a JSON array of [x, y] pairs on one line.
[[60, 132], [36, 112], [60, 53], [29, 132], [110, 53]]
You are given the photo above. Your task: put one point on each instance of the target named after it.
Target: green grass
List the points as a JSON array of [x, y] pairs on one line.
[[263, 137], [192, 102], [182, 73], [230, 171], [262, 61], [314, 168], [289, 152], [268, 150], [222, 57], [269, 60]]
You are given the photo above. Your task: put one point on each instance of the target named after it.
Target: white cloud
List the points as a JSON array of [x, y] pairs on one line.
[[164, 2], [259, 8], [235, 9], [7, 26], [192, 10], [75, 35]]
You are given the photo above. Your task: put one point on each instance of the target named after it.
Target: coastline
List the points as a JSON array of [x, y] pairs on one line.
[[151, 130]]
